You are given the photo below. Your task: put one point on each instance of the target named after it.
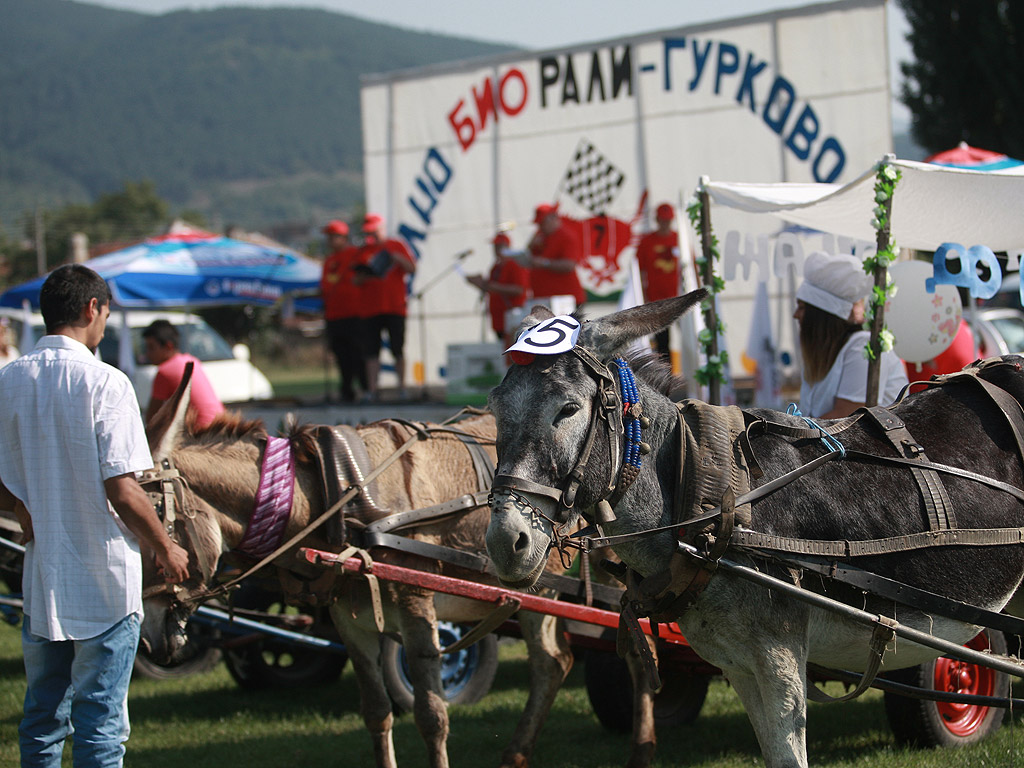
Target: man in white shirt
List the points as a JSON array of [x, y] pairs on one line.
[[73, 439]]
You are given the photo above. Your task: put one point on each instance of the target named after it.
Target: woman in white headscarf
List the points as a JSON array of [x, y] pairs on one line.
[[830, 311]]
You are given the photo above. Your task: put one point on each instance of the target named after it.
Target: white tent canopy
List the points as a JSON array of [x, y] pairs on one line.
[[932, 204]]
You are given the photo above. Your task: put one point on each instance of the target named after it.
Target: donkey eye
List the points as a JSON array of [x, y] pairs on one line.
[[568, 410]]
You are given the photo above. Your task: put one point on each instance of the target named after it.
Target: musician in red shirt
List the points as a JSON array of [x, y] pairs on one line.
[[505, 286], [555, 252], [658, 258], [386, 265], [344, 308]]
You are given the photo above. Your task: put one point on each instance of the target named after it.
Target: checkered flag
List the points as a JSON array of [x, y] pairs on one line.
[[591, 179]]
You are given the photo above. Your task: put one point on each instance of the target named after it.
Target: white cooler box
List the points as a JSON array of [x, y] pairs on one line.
[[472, 371]]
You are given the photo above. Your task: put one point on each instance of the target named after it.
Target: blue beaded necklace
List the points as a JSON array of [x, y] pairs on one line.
[[631, 420]]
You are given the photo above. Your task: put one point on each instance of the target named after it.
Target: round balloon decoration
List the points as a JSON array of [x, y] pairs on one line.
[[923, 324]]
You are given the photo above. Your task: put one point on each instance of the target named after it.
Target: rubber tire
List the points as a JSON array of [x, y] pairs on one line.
[[276, 663], [938, 724], [610, 691], [200, 654], [467, 676]]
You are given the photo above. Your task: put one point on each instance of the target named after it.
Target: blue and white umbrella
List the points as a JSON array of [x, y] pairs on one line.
[[195, 269]]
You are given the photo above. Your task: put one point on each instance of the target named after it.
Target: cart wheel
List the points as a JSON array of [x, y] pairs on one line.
[[270, 662], [200, 654], [943, 724], [466, 676], [610, 691]]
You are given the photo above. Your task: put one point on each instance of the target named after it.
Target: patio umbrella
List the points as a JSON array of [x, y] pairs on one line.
[[972, 158], [195, 269]]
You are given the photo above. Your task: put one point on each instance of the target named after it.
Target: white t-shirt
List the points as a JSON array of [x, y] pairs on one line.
[[69, 422], [847, 379]]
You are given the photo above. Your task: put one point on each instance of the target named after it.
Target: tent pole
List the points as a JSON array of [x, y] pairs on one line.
[[878, 319], [710, 321]]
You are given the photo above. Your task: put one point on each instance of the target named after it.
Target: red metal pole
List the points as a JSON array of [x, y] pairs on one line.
[[486, 592]]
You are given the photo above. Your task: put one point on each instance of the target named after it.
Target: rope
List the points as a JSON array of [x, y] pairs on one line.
[[831, 442]]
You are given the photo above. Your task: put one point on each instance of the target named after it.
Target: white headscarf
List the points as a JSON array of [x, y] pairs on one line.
[[834, 282]]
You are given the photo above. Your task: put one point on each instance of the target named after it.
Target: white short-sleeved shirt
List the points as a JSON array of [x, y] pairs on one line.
[[847, 379], [67, 423]]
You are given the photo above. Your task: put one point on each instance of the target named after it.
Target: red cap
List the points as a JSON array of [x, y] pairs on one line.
[[501, 239], [372, 222], [336, 227], [665, 212], [543, 211]]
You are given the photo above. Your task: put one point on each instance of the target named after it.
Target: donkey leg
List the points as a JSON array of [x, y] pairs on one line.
[[363, 648], [644, 739], [418, 622], [776, 705], [550, 661]]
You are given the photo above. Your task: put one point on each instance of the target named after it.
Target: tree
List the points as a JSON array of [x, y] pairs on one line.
[[967, 80]]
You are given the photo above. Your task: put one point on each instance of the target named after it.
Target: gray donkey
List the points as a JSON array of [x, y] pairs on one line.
[[569, 444]]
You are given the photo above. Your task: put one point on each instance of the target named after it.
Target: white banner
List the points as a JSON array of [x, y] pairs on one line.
[[608, 131]]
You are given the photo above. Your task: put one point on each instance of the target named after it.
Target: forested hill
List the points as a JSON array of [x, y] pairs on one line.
[[243, 113]]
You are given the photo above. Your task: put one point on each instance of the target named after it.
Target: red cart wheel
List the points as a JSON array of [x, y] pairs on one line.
[[955, 676], [941, 723]]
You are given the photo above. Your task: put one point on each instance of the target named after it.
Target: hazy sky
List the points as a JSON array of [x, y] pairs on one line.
[[538, 24]]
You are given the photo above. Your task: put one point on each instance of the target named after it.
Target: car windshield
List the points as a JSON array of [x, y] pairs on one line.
[[1011, 328], [197, 339]]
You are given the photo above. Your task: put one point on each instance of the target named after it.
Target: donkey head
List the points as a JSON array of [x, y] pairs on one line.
[[544, 410], [163, 629]]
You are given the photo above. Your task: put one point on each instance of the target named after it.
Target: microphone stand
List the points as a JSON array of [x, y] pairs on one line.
[[418, 295]]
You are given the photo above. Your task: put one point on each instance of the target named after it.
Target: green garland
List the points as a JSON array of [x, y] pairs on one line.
[[716, 366], [887, 176]]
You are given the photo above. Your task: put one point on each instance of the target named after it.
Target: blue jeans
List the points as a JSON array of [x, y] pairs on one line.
[[78, 687]]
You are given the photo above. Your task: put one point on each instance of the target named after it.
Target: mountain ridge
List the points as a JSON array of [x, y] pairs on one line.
[[246, 114]]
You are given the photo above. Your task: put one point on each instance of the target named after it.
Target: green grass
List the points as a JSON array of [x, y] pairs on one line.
[[206, 721]]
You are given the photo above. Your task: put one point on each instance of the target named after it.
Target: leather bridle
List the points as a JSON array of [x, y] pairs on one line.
[[166, 489]]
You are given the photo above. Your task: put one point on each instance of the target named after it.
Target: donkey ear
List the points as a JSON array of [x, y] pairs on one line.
[[609, 335], [167, 424], [537, 315]]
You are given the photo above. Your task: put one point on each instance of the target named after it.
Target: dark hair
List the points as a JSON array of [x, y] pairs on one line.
[[822, 335], [163, 333], [67, 291]]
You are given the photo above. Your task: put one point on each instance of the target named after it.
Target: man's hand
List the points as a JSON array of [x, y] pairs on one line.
[[173, 563]]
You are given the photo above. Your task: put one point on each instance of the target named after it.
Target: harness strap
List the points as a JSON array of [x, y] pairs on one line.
[[630, 632], [938, 507], [428, 514], [482, 464], [467, 560], [505, 608], [881, 636], [977, 537], [371, 580], [923, 600], [599, 542]]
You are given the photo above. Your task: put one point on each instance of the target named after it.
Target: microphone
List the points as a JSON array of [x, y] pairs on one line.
[[464, 254]]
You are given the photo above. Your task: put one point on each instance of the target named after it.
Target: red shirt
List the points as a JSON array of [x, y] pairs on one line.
[[506, 272], [560, 244], [203, 400], [342, 297], [385, 295], [658, 258]]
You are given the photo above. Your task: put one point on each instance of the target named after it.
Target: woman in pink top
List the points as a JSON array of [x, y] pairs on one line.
[[162, 340]]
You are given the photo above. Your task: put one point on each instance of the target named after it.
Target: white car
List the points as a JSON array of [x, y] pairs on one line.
[[234, 378]]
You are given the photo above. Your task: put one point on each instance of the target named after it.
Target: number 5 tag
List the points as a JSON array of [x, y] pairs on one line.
[[552, 337]]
